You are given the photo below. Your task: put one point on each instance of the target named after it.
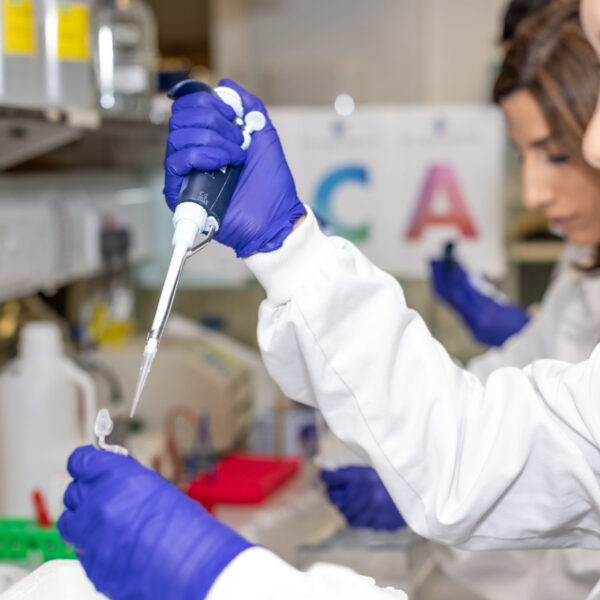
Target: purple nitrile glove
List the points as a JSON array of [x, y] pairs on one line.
[[264, 206], [491, 321], [361, 497], [138, 536]]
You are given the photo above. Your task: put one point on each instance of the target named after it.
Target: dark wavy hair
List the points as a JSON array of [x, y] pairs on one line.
[[516, 12], [551, 58]]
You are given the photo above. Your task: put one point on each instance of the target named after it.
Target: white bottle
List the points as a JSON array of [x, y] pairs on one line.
[[47, 409], [65, 28], [21, 55], [125, 56]]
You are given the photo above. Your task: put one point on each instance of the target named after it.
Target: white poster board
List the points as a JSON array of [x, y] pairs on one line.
[[400, 182]]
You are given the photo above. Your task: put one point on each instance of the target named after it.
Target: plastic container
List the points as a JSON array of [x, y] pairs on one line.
[[47, 408], [243, 479], [55, 580], [65, 26], [125, 56], [21, 54], [24, 541]]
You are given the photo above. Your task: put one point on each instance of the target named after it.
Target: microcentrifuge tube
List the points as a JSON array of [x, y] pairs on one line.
[[103, 428]]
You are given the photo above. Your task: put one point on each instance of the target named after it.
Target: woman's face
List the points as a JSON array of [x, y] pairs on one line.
[[590, 19], [564, 188]]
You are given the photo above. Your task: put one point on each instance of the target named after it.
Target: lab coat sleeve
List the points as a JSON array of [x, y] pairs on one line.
[[258, 574], [519, 350], [513, 463]]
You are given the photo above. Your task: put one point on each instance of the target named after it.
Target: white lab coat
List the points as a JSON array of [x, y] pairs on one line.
[[512, 464], [257, 574], [566, 327]]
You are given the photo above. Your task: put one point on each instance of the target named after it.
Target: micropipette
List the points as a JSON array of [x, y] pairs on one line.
[[201, 206]]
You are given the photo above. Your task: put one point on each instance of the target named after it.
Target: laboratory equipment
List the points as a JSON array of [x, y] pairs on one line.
[[102, 429], [125, 56], [68, 60], [47, 408], [40, 507], [243, 479], [202, 375], [202, 204], [21, 55], [25, 542], [266, 206]]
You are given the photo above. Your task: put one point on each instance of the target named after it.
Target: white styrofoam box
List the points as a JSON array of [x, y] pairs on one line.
[[50, 225], [54, 580], [91, 199], [28, 250]]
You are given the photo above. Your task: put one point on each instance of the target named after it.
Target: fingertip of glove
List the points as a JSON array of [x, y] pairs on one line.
[[63, 524], [327, 476], [171, 200], [79, 460], [227, 82]]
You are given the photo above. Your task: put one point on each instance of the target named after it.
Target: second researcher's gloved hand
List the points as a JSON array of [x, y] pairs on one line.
[[491, 321], [362, 498], [136, 535], [264, 206]]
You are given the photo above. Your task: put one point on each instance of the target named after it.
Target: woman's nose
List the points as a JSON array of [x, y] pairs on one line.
[[537, 193], [591, 141]]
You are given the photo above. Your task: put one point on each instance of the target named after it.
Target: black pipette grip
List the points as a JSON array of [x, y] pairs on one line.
[[210, 189]]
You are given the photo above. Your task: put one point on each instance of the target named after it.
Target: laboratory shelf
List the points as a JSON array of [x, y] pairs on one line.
[[26, 133]]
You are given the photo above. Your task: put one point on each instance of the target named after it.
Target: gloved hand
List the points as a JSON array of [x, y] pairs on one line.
[[361, 497], [136, 535], [264, 206], [490, 321]]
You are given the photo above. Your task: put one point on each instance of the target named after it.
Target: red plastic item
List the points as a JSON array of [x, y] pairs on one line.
[[243, 479], [42, 516]]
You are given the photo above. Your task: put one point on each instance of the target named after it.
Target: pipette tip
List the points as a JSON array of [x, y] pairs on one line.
[[147, 358]]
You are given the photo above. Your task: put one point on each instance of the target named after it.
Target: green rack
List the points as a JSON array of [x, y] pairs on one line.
[[23, 540]]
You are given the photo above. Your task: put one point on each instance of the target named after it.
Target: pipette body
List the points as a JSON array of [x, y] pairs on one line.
[[202, 204]]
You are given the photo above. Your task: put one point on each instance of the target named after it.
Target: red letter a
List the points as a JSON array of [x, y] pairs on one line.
[[440, 178]]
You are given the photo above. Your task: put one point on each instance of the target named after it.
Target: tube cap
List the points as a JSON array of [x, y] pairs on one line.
[[40, 339]]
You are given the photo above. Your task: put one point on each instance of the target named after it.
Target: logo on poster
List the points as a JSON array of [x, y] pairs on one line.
[[344, 175], [440, 182]]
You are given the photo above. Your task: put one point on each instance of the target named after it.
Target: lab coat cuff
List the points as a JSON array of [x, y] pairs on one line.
[[254, 574], [282, 271]]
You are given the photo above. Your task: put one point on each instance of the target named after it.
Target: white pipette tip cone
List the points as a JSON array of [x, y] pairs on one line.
[[147, 358]]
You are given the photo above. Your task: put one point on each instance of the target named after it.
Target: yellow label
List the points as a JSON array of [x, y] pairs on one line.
[[73, 32], [19, 27]]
